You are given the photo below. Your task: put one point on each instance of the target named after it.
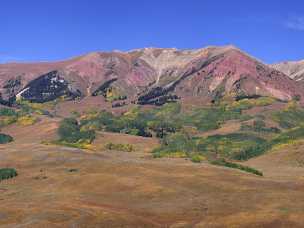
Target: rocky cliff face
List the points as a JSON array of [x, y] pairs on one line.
[[148, 76], [48, 87], [294, 70]]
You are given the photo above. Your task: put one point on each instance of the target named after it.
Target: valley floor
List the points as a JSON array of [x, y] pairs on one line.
[[66, 187]]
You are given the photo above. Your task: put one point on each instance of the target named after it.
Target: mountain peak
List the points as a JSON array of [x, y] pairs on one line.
[[154, 75]]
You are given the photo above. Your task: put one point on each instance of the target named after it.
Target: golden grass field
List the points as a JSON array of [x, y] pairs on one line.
[[68, 187]]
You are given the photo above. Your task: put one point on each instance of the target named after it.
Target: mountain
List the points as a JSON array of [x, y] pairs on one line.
[[105, 162], [147, 76], [294, 69]]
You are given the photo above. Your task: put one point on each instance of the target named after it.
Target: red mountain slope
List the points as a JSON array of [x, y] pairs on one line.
[[148, 76]]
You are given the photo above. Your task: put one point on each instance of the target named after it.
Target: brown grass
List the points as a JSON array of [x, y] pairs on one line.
[[117, 189]]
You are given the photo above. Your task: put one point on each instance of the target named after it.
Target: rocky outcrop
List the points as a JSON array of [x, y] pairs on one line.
[[294, 70], [47, 87], [102, 90], [157, 96]]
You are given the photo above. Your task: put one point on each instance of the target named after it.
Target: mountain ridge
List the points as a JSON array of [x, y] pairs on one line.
[[149, 76]]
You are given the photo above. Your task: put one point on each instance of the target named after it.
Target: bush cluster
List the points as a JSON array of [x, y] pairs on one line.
[[22, 116], [231, 145], [288, 136], [135, 122], [27, 120], [290, 117], [7, 116], [5, 138], [120, 147], [223, 162], [168, 123], [260, 126], [7, 173], [175, 145], [238, 146], [162, 121], [7, 112], [248, 103], [70, 131]]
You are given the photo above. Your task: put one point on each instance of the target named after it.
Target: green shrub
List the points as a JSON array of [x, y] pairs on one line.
[[250, 152], [75, 114], [7, 112], [22, 116], [196, 158], [162, 127], [73, 170], [223, 162], [131, 123], [28, 108], [7, 120], [27, 120], [120, 147], [69, 131], [7, 173], [5, 138], [296, 97], [259, 124], [7, 116]]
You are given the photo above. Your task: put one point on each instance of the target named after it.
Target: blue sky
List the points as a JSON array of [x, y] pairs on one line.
[[36, 30]]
